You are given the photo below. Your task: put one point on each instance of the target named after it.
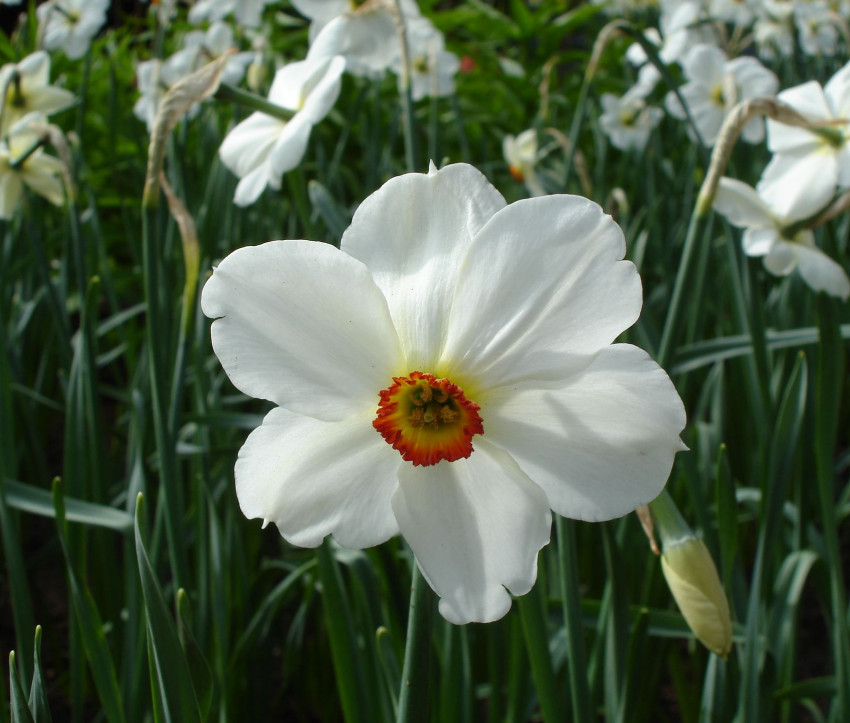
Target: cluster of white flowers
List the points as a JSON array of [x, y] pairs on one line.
[[816, 26], [809, 166], [27, 99], [362, 40]]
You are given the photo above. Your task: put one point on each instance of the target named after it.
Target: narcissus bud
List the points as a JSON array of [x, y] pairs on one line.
[[692, 576]]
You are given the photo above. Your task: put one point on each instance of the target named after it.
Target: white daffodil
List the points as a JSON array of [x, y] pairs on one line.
[[248, 13], [714, 85], [202, 47], [809, 163], [628, 121], [365, 35], [152, 88], [432, 67], [71, 24], [773, 234], [37, 171], [521, 155], [448, 373], [262, 148], [28, 90], [773, 29], [817, 27]]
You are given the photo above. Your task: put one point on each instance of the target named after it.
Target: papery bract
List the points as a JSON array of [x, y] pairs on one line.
[[446, 306]]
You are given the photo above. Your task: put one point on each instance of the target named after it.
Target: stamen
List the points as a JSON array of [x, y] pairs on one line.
[[428, 420]]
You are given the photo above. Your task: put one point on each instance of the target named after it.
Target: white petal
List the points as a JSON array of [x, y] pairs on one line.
[[368, 41], [475, 526], [820, 272], [599, 445], [290, 146], [413, 233], [759, 241], [705, 65], [781, 259], [543, 284], [314, 478], [249, 143], [304, 326], [252, 185], [807, 99], [741, 205], [798, 186]]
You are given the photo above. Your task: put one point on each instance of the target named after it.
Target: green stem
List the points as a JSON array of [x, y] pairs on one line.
[[413, 696], [232, 94], [830, 374], [532, 610], [410, 150], [157, 343], [573, 626]]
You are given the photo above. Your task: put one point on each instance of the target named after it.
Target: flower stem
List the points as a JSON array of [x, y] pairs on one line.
[[232, 94], [413, 695]]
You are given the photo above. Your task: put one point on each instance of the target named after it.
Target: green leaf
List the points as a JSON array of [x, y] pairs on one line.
[[173, 677], [19, 708], [38, 697], [90, 624], [202, 678], [335, 219], [29, 498]]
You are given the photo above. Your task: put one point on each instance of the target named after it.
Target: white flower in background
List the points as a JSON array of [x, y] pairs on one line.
[[150, 84], [248, 13], [365, 36], [774, 29], [808, 164], [432, 67], [448, 374], [771, 232], [714, 85], [70, 24], [202, 47], [817, 29], [262, 148], [39, 172], [628, 121], [648, 74], [28, 90], [736, 12], [682, 27], [521, 156]]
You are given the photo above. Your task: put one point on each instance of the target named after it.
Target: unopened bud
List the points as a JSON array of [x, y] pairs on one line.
[[692, 577]]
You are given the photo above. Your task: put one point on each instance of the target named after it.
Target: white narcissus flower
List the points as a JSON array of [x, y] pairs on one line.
[[71, 24], [202, 47], [262, 148], [432, 67], [28, 90], [39, 172], [364, 35], [521, 156], [150, 84], [714, 85], [809, 163], [248, 13], [771, 232], [817, 27], [628, 121], [448, 373]]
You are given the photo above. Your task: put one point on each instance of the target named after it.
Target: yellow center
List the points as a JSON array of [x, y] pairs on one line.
[[427, 420]]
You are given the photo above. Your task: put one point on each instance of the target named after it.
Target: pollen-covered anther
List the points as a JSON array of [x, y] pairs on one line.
[[427, 420]]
